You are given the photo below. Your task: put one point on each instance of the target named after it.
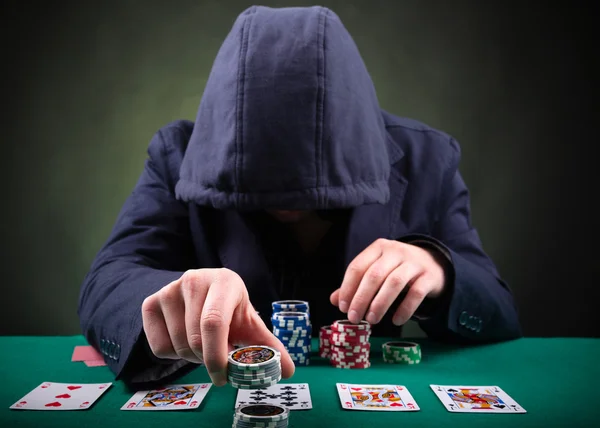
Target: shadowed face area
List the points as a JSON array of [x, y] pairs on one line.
[[285, 216]]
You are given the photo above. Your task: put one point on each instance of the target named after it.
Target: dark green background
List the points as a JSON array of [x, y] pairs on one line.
[[86, 84]]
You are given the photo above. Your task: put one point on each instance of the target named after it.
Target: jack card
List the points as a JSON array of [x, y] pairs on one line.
[[391, 398], [62, 396], [294, 396], [476, 399], [170, 397]]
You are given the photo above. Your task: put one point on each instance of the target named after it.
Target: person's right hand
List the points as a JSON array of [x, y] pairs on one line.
[[199, 318]]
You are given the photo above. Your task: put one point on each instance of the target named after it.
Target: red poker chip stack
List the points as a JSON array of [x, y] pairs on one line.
[[350, 347], [325, 341]]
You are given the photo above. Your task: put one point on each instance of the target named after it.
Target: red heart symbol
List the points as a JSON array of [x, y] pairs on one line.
[[44, 386], [178, 403], [356, 389], [130, 405], [102, 387], [54, 404], [395, 405], [63, 396], [21, 403], [72, 387], [194, 404], [85, 404]]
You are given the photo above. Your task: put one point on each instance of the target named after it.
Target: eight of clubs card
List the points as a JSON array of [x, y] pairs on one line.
[[62, 396], [170, 397], [294, 396], [476, 399], [392, 398]]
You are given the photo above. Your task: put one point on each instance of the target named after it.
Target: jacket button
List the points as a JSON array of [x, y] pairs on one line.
[[463, 318], [117, 352]]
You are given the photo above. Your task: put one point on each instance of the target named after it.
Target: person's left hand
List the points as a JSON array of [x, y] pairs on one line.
[[377, 276]]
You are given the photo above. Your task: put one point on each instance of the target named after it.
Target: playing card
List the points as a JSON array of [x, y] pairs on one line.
[[476, 399], [294, 396], [62, 396], [394, 398], [86, 353], [170, 397]]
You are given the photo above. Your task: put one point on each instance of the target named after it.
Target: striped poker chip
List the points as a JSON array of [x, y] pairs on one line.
[[347, 338], [245, 385], [401, 353], [290, 306], [346, 326], [261, 413]]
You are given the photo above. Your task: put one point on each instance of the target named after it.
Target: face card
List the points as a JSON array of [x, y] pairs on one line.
[[62, 396], [392, 398], [171, 397], [294, 396], [476, 399]]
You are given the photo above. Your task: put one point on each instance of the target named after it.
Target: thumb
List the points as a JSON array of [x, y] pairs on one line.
[[259, 334], [335, 297]]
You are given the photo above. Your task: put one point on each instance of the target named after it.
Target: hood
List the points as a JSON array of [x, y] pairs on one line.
[[289, 119]]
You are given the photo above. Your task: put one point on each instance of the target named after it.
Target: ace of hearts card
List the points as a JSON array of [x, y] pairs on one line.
[[392, 398], [476, 399], [61, 396], [170, 397]]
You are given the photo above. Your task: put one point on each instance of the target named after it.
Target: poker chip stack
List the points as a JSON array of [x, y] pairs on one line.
[[261, 415], [401, 353], [325, 341], [291, 325], [350, 347], [253, 367]]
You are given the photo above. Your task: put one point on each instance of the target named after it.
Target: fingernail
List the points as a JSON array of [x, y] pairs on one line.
[[353, 316], [219, 378], [398, 321], [343, 306], [371, 318]]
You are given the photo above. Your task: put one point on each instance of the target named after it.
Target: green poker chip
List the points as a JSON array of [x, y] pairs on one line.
[[264, 413], [401, 353]]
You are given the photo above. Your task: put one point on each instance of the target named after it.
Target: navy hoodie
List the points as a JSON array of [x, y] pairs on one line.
[[289, 119]]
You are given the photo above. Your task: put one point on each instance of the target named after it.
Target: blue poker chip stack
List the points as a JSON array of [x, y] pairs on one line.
[[291, 325]]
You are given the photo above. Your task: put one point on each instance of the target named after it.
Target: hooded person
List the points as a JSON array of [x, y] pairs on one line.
[[290, 122]]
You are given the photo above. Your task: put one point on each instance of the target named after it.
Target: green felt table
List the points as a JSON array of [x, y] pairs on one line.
[[555, 380]]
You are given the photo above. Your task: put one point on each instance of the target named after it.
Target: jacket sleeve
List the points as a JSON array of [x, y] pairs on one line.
[[478, 305], [149, 247]]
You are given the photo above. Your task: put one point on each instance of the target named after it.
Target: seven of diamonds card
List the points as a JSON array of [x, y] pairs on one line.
[[294, 396], [392, 398], [170, 397], [61, 396], [476, 399]]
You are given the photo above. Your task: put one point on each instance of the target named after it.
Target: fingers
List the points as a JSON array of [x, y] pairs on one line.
[[335, 297], [155, 329], [396, 281], [221, 301], [194, 295], [416, 294], [259, 333], [370, 285], [355, 272]]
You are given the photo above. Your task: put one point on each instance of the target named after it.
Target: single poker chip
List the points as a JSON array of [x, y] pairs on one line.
[[346, 326], [290, 306], [254, 385], [261, 413], [253, 357], [401, 353]]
